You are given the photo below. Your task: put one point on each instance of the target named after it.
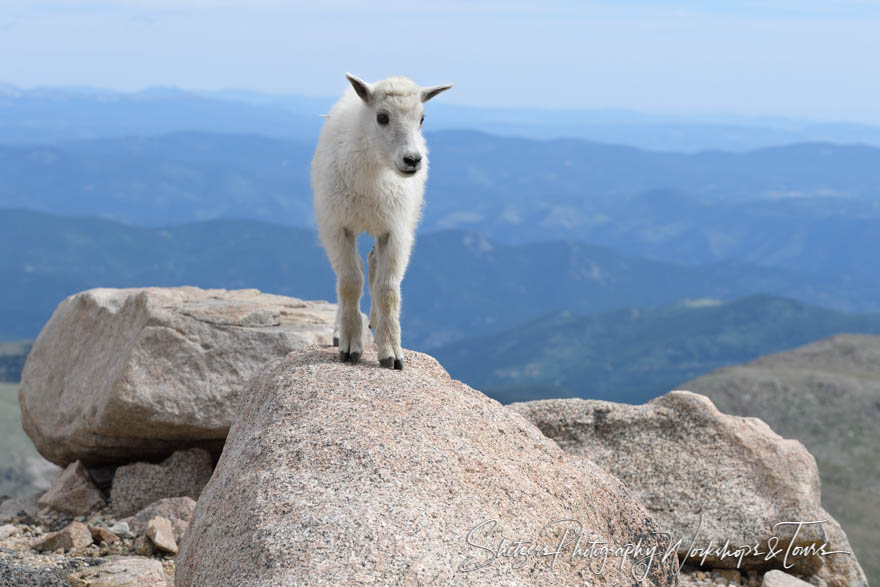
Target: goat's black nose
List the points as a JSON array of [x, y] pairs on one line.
[[412, 160]]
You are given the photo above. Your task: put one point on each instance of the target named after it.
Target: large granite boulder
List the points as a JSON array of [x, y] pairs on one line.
[[339, 475], [707, 478], [119, 375]]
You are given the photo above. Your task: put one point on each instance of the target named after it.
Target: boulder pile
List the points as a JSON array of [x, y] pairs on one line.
[[212, 437]]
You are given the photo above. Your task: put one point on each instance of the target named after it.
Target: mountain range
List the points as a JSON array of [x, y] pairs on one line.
[[811, 208], [58, 114], [458, 284]]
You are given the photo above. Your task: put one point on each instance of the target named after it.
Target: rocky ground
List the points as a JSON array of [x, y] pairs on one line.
[[103, 528], [135, 560], [48, 548]]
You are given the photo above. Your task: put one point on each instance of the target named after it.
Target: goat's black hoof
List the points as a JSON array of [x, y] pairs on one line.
[[344, 356], [355, 358], [387, 363], [335, 341], [398, 364]]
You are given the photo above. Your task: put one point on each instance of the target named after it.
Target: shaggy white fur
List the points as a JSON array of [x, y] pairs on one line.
[[368, 175]]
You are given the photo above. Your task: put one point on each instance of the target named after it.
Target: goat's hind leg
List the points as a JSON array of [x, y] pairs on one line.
[[342, 250], [371, 277]]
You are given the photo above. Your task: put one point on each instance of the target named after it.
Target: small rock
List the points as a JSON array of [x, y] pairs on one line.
[[779, 579], [103, 535], [122, 571], [73, 492], [732, 576], [7, 530], [143, 547], [160, 532], [135, 486], [178, 510], [74, 536], [122, 529]]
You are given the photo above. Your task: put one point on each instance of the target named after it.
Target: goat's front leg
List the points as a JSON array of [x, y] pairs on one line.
[[342, 249], [387, 266]]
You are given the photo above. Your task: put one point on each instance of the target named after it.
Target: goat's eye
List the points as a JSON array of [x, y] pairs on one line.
[[382, 118], [422, 120]]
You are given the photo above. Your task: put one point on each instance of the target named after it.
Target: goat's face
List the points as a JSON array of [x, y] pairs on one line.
[[393, 115], [395, 127]]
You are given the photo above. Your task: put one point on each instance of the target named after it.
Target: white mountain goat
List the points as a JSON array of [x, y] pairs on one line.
[[368, 174]]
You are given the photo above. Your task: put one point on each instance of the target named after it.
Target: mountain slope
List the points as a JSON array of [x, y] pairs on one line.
[[637, 354], [827, 395], [574, 167], [162, 180]]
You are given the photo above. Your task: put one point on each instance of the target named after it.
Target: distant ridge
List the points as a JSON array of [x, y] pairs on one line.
[[47, 257], [51, 114], [636, 354]]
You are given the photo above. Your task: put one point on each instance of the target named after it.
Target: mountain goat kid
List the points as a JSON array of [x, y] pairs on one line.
[[368, 175]]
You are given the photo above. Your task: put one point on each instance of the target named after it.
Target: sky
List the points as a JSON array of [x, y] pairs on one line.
[[816, 59]]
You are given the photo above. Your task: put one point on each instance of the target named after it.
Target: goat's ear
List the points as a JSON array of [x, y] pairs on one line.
[[430, 92], [363, 89]]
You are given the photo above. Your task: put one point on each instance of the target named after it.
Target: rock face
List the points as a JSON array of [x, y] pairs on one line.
[[73, 492], [135, 486], [119, 375], [694, 467], [341, 474]]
